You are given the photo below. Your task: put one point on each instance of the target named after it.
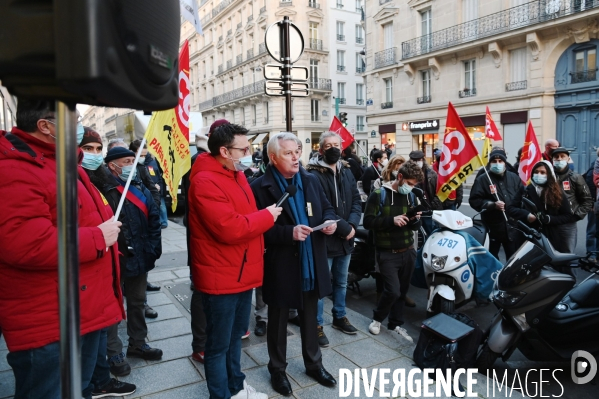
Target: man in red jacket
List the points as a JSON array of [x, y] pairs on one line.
[[29, 314], [226, 231]]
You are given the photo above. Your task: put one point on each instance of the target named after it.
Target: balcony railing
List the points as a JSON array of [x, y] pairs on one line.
[[239, 25], [229, 64], [315, 118], [360, 69], [250, 18], [239, 59], [220, 38], [339, 5], [385, 58], [360, 128], [360, 101], [340, 68], [220, 68], [341, 100], [588, 75], [424, 99], [467, 93], [315, 44], [531, 13], [359, 40], [262, 48], [340, 38], [320, 84], [233, 95], [285, 3], [387, 105], [221, 6], [263, 10], [250, 53], [229, 32], [313, 4], [516, 85]]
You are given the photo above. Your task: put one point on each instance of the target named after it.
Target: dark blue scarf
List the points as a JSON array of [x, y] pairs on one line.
[[297, 203]]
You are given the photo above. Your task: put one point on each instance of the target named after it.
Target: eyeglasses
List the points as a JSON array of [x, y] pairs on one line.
[[48, 120], [245, 150]]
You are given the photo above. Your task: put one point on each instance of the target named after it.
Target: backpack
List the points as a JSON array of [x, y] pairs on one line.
[[435, 351]]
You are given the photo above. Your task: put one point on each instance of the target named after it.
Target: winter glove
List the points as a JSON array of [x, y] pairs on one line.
[[457, 205], [543, 218]]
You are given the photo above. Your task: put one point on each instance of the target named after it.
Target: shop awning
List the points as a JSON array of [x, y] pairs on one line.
[[250, 137], [259, 139]]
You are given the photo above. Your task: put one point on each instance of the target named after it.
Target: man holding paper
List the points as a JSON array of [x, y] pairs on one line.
[[296, 272]]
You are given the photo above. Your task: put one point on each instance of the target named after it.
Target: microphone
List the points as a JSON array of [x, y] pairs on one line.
[[289, 192]]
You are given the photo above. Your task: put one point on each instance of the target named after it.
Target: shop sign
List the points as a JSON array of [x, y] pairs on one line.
[[431, 124]]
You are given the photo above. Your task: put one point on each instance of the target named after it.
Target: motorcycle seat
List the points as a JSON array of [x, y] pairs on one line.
[[558, 258], [586, 294], [478, 231]]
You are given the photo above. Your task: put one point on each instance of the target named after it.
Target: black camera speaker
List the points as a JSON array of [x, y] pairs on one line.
[[117, 53]]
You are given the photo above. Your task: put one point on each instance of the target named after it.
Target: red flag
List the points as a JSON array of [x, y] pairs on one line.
[[531, 154], [459, 156], [490, 127], [346, 137], [183, 108]]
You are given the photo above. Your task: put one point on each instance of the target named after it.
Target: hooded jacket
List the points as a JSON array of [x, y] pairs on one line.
[[226, 229], [342, 192], [29, 314]]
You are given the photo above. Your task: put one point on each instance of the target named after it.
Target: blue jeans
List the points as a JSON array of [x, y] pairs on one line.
[[591, 231], [163, 218], [37, 371], [101, 375], [338, 267], [227, 319]]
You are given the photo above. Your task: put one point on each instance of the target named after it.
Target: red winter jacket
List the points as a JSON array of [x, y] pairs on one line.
[[227, 246], [29, 248]]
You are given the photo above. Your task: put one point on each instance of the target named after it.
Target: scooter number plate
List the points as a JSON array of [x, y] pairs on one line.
[[446, 242]]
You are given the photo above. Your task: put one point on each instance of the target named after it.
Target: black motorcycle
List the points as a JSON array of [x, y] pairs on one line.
[[541, 311]]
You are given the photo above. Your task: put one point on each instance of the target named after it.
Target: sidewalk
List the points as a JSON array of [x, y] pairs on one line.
[[177, 376]]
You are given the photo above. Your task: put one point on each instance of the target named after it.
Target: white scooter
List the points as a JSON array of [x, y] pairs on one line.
[[445, 260]]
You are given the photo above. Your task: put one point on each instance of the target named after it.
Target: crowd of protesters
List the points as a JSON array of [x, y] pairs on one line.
[[292, 254]]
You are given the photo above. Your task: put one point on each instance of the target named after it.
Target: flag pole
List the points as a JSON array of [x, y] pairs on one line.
[[124, 194], [491, 181]]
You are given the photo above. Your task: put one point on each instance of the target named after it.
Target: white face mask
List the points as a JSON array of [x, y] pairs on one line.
[[420, 164], [385, 162]]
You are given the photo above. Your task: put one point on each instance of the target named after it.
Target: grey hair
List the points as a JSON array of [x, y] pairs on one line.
[[326, 135], [274, 143], [116, 142]]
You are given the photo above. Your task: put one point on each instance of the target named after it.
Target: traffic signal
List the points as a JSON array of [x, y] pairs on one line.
[[118, 53], [343, 118]]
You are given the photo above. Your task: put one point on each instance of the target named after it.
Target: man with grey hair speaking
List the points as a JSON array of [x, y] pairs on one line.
[[296, 272]]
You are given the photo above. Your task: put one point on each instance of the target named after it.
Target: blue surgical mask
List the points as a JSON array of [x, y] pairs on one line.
[[246, 161], [126, 171], [560, 164], [92, 161], [405, 189], [80, 132], [539, 179], [497, 168]]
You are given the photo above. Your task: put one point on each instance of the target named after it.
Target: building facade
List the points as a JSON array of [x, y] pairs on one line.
[[104, 121], [528, 61], [8, 110]]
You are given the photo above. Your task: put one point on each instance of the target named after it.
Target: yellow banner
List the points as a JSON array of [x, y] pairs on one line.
[[487, 146], [458, 178], [169, 145]]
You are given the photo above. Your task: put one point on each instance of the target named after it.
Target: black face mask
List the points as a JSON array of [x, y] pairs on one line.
[[332, 155]]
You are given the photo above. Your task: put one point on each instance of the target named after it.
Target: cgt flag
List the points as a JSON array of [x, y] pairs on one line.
[[346, 137], [168, 133], [459, 157], [531, 154], [491, 133]]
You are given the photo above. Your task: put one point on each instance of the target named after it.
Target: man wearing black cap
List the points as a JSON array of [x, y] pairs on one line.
[[492, 196], [139, 244], [576, 190]]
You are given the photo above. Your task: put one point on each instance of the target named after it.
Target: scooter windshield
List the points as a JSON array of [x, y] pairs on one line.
[[522, 266]]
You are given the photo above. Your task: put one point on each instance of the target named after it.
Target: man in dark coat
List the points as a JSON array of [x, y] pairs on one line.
[[341, 190], [484, 196], [140, 246], [296, 273]]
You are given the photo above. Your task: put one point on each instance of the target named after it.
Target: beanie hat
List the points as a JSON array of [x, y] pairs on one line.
[[118, 153], [216, 124], [90, 136], [202, 141], [497, 154]]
